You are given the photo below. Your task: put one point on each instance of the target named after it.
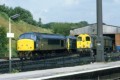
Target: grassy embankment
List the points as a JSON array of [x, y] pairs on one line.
[[19, 28]]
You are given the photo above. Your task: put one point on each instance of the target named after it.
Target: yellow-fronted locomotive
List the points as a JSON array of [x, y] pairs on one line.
[[87, 43], [35, 45]]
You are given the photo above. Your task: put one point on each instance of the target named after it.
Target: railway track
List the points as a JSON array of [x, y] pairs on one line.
[[64, 61], [2, 60], [118, 78], [29, 65]]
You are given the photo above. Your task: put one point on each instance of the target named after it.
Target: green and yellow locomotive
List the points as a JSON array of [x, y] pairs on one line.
[[87, 43], [35, 45]]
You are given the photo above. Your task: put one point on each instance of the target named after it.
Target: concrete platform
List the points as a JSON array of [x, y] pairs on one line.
[[59, 72]]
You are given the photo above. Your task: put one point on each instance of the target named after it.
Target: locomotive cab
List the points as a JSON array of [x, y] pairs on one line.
[[84, 41], [71, 43], [26, 42]]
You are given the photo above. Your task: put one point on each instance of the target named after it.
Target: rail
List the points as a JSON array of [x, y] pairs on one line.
[[58, 62]]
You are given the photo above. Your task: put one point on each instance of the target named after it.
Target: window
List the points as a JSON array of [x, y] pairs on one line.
[[79, 38], [87, 38], [53, 42], [62, 43], [28, 36], [33, 37]]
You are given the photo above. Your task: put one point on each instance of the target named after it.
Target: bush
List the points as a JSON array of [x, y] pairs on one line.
[[3, 42], [3, 14]]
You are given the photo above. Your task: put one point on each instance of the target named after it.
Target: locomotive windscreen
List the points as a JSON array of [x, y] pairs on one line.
[[28, 36]]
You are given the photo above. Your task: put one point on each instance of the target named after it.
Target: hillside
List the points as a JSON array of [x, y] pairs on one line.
[[19, 28]]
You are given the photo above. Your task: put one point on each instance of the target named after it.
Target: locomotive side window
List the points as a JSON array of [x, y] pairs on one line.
[[62, 43], [87, 38], [79, 38], [53, 42]]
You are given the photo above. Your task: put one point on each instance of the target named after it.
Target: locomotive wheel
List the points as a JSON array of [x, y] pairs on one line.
[[34, 56], [22, 56]]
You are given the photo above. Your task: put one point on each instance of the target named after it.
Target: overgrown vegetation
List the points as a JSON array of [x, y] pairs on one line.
[[25, 15], [64, 28], [3, 41]]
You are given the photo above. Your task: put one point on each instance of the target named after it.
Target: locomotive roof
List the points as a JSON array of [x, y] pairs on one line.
[[71, 37], [52, 36], [46, 35], [107, 37]]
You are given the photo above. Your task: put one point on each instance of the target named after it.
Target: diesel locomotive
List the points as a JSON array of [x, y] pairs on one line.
[[87, 43], [71, 44], [34, 45]]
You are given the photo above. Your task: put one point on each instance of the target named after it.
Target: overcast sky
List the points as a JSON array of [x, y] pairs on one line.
[[69, 10]]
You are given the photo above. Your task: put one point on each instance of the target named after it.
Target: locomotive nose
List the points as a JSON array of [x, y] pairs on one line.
[[25, 45]]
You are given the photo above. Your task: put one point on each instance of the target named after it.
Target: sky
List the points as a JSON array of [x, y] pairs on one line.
[[69, 10]]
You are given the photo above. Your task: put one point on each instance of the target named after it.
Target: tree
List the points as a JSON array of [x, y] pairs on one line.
[[64, 28], [81, 24], [3, 41], [61, 28], [24, 14]]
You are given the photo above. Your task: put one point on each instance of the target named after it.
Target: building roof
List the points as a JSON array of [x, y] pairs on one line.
[[92, 29]]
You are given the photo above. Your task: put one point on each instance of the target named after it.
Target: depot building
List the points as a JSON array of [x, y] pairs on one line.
[[108, 30]]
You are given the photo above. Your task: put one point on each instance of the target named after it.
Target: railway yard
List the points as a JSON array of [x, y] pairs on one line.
[[62, 66], [71, 50], [63, 61], [39, 51]]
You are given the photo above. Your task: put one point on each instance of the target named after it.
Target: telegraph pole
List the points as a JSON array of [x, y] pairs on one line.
[[100, 43]]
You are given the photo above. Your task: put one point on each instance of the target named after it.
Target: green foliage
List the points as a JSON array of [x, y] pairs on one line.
[[61, 28], [15, 71], [3, 41], [3, 8], [3, 14], [25, 15], [64, 28]]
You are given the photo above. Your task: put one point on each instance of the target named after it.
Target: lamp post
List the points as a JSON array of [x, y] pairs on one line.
[[10, 36]]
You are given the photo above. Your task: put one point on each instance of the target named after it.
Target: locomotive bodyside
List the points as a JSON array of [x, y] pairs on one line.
[[36, 45], [107, 41], [51, 42], [71, 43]]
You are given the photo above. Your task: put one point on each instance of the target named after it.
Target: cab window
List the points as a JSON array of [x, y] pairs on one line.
[[79, 38], [33, 37], [87, 38], [28, 36]]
